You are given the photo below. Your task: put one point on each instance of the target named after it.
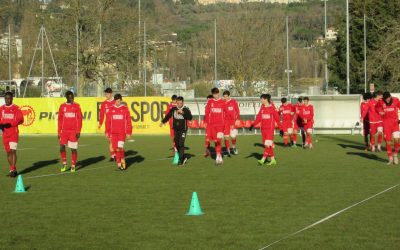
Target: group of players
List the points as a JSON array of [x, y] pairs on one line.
[[379, 115], [222, 119]]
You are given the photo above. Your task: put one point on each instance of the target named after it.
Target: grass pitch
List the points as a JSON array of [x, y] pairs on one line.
[[245, 206]]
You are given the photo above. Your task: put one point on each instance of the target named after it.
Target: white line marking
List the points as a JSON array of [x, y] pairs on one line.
[[55, 174], [329, 217]]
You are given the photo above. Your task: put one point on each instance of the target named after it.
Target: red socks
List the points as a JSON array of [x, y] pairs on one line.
[[118, 155], [265, 154], [234, 142], [396, 148], [271, 151], [372, 140], [294, 137], [379, 139], [13, 168], [207, 143], [268, 151], [74, 157], [64, 157], [389, 150], [227, 144], [218, 146], [285, 139], [309, 140]]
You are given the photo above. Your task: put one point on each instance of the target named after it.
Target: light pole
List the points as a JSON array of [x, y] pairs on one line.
[[347, 47], [288, 71], [326, 52], [215, 50], [365, 54], [140, 47]]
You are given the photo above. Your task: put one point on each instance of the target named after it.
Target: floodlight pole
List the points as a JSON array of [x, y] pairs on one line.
[[347, 47]]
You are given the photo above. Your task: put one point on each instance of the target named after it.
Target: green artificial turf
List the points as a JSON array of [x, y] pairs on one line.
[[245, 206]]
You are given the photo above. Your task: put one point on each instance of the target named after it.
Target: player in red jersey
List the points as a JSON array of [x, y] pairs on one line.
[[388, 108], [171, 129], [298, 122], [207, 132], [307, 115], [364, 120], [231, 121], [375, 121], [216, 114], [69, 129], [11, 118], [104, 108], [287, 111], [268, 117], [120, 126]]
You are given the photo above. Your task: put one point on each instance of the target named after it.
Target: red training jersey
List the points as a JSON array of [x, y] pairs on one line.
[[104, 108], [69, 118], [373, 115], [268, 116], [364, 110], [11, 115], [216, 112], [391, 110], [119, 121], [232, 110], [170, 106], [287, 111], [307, 113]]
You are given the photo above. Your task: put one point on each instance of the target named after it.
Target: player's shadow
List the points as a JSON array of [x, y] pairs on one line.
[[258, 145], [90, 161], [186, 148], [351, 146], [38, 165], [254, 155], [338, 139], [367, 156], [130, 153], [132, 160]]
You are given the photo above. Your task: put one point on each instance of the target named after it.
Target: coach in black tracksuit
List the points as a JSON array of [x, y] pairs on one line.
[[180, 115]]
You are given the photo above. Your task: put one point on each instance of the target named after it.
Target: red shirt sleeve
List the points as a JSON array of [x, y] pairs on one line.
[[207, 112], [237, 111], [311, 112], [108, 121], [276, 117], [19, 118], [128, 122], [79, 118], [258, 117], [102, 113], [60, 118]]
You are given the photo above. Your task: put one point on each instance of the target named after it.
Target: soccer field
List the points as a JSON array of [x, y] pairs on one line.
[[245, 206]]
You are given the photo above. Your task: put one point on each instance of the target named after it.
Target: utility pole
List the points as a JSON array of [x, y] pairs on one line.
[[77, 58], [9, 56], [326, 52], [288, 71], [347, 47], [42, 48], [365, 54], [140, 47], [215, 50], [144, 59]]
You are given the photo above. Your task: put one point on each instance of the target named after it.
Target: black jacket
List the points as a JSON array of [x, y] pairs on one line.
[[179, 120]]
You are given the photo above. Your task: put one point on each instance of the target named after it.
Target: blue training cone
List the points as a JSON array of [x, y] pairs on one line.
[[175, 161], [20, 188], [195, 208]]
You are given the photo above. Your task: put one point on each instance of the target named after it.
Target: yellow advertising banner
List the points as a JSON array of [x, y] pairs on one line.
[[40, 114]]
